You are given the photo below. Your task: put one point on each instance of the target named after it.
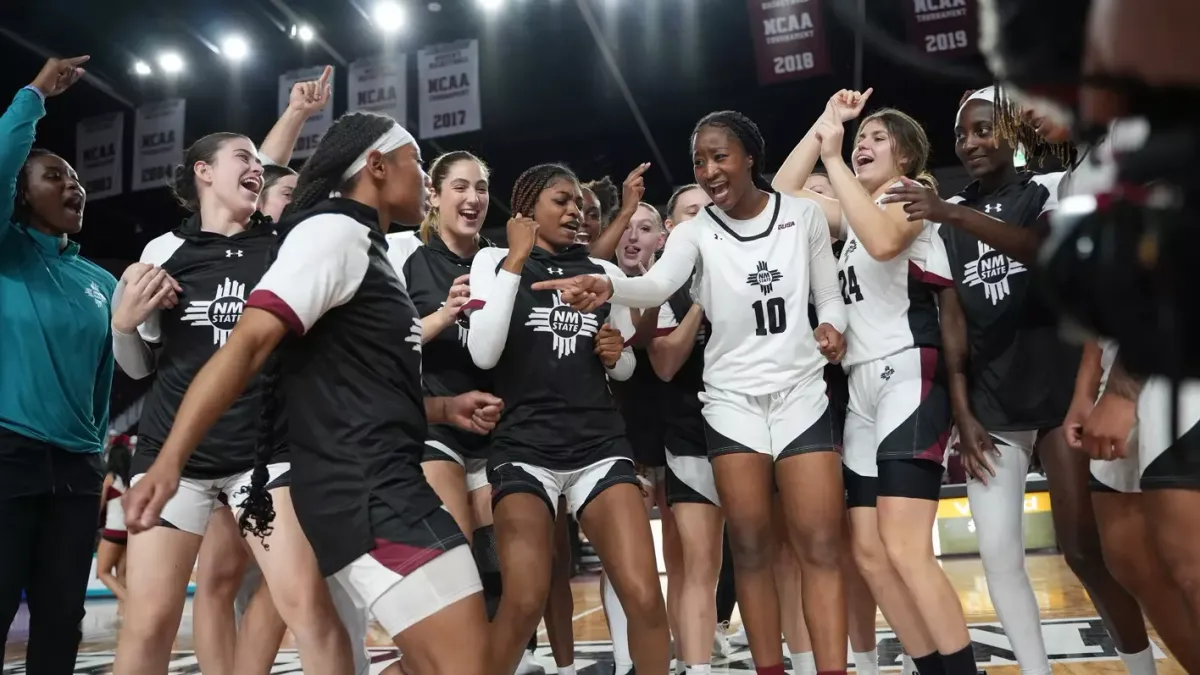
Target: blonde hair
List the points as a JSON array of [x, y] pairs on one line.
[[658, 219], [437, 175]]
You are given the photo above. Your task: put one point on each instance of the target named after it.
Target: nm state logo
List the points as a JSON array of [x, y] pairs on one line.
[[221, 313], [565, 323], [991, 270]]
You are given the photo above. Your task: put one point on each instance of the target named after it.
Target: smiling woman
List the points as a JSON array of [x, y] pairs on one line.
[[56, 367]]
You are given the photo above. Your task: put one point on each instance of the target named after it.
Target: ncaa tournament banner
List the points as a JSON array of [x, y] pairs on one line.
[[99, 155], [380, 85], [158, 143], [789, 40], [316, 126], [448, 81], [943, 27]]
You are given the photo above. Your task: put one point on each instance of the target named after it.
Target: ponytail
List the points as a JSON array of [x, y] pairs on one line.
[[925, 178]]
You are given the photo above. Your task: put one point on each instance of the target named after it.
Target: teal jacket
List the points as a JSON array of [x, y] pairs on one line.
[[56, 358]]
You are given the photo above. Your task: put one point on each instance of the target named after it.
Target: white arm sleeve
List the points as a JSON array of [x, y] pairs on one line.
[[401, 246], [668, 274], [130, 351], [319, 267], [493, 293], [822, 274], [621, 318]]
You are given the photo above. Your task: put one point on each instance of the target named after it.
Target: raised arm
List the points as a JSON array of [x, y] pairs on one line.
[[605, 246], [307, 99]]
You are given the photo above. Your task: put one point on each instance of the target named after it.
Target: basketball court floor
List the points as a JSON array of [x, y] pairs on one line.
[[1075, 638]]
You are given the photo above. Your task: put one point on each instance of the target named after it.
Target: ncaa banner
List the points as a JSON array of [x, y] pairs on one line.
[[789, 40], [448, 81], [99, 156], [316, 126], [380, 85], [943, 27], [158, 143]]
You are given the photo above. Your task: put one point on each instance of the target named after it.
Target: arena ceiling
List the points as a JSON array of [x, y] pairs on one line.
[[547, 92]]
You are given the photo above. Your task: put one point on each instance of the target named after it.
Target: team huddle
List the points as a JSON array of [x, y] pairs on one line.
[[400, 422]]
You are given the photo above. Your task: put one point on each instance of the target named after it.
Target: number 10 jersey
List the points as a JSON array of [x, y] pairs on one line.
[[753, 279]]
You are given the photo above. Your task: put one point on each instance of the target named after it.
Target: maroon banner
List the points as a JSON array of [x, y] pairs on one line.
[[943, 27], [789, 39]]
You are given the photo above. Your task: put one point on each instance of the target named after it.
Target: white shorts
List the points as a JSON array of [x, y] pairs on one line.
[[690, 481], [899, 409], [789, 422], [1151, 438], [476, 469], [579, 486], [399, 602], [196, 500]]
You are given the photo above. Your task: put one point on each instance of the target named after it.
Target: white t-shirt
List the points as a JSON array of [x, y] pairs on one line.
[[757, 278]]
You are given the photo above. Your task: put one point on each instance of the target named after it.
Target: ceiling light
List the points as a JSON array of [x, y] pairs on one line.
[[435, 6], [388, 16], [303, 32], [235, 48], [141, 68], [491, 5], [170, 62]]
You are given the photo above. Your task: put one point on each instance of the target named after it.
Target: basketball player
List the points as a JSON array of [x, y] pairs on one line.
[[355, 415], [1010, 377], [1018, 235], [765, 410], [600, 204], [565, 436], [898, 420]]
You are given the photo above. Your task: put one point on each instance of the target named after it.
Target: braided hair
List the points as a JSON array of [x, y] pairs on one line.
[[747, 133], [1011, 126], [22, 210], [531, 183], [349, 136], [607, 196]]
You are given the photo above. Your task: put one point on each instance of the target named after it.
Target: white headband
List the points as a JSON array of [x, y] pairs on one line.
[[393, 138], [986, 94]]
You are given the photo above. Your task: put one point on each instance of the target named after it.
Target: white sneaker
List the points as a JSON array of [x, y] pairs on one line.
[[739, 640], [721, 648], [528, 666]]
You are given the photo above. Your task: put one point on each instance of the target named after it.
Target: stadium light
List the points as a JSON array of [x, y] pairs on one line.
[[235, 48], [491, 5], [388, 16], [141, 68], [170, 62], [303, 32]]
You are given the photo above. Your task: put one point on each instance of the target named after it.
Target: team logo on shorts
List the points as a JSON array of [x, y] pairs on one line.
[[764, 277], [221, 313], [991, 269], [563, 322]]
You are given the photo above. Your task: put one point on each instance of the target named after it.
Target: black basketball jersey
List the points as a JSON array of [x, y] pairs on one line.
[[350, 380], [683, 426], [215, 272], [558, 410], [428, 271], [639, 400], [1021, 374]]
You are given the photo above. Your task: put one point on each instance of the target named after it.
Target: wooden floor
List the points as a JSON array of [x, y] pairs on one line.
[[1075, 638]]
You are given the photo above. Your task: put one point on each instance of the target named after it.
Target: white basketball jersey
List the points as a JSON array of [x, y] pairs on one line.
[[755, 288], [892, 304]]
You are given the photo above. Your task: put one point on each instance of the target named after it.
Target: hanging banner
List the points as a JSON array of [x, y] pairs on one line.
[[943, 27], [99, 154], [789, 40], [380, 85], [158, 139], [316, 126], [448, 81]]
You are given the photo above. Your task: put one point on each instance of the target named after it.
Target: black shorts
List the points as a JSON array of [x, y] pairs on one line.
[[912, 478]]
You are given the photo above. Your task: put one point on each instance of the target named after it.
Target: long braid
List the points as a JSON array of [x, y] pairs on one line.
[[349, 136], [531, 183], [747, 134], [1011, 125]]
